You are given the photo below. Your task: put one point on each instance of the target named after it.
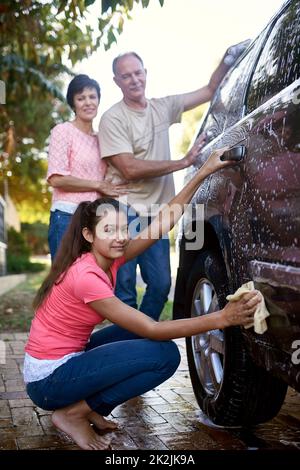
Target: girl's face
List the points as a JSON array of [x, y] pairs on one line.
[[111, 234], [86, 104]]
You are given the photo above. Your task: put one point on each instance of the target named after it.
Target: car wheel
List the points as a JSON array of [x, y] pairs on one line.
[[230, 389]]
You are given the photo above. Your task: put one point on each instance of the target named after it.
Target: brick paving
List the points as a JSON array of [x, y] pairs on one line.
[[165, 418]]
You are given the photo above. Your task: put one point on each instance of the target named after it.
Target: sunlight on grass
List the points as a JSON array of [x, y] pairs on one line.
[[16, 310], [35, 281]]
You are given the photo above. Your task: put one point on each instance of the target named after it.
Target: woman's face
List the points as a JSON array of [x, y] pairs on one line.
[[86, 104]]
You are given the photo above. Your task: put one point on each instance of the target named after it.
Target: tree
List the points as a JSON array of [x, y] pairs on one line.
[[37, 38]]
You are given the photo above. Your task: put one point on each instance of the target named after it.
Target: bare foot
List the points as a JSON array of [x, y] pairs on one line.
[[101, 423], [79, 429]]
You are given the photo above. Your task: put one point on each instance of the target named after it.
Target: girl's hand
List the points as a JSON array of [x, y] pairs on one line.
[[214, 162], [113, 190], [241, 312]]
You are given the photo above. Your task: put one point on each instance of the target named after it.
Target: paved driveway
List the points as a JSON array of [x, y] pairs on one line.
[[165, 418]]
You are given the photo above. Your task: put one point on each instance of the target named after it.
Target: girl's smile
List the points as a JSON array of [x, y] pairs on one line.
[[111, 236]]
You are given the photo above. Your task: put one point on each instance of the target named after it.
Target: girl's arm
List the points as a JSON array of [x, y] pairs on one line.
[[171, 213], [234, 313]]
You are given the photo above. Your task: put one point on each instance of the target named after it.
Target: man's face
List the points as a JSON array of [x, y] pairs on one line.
[[131, 78]]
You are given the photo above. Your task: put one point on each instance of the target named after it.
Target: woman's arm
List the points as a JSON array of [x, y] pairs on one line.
[[234, 313], [73, 184], [171, 213], [58, 174]]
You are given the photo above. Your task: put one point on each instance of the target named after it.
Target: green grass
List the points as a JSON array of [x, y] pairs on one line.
[[16, 310]]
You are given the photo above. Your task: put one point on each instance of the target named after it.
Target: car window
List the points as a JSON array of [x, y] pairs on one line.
[[279, 63], [227, 105]]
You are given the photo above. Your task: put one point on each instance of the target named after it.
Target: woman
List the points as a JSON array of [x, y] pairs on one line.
[[75, 169], [82, 377]]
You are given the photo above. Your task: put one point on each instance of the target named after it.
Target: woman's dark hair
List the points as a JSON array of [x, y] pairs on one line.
[[73, 243], [78, 84]]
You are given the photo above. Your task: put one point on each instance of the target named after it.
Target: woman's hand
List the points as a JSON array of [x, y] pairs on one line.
[[241, 312], [106, 188]]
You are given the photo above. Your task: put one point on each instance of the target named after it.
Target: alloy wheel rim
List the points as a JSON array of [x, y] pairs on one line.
[[208, 347]]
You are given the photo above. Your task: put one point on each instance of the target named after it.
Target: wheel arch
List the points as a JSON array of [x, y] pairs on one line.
[[213, 241]]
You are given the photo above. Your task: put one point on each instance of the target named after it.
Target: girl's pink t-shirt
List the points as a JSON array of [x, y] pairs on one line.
[[64, 322], [74, 153]]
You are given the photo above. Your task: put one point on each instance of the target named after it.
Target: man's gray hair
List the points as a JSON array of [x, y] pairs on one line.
[[116, 59]]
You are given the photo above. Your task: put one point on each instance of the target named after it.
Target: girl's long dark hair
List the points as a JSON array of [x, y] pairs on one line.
[[73, 243]]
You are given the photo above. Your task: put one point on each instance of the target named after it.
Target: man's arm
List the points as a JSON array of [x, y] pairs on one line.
[[132, 168], [169, 215], [204, 94]]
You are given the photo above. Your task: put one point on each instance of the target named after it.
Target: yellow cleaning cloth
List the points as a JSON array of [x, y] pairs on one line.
[[261, 312]]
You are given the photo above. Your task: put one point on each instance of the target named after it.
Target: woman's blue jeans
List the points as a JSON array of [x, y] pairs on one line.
[[107, 374], [59, 222]]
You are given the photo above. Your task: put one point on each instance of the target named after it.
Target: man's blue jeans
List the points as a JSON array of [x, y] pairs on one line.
[[155, 270], [59, 222], [107, 374]]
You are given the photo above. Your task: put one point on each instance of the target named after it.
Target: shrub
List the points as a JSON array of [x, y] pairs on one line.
[[36, 236], [20, 264], [16, 244], [18, 254]]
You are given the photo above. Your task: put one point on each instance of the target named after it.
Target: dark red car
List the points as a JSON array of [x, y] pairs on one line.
[[250, 220]]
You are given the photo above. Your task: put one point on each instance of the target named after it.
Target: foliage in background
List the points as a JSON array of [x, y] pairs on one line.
[[37, 39], [36, 237], [18, 254]]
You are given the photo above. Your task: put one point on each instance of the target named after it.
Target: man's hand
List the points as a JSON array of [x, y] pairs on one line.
[[233, 52], [204, 94], [195, 150]]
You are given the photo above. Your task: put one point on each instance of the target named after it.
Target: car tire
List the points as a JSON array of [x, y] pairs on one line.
[[230, 389]]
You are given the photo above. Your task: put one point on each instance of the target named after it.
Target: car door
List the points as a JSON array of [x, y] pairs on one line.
[[219, 190]]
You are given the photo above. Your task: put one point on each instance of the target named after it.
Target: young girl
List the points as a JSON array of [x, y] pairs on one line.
[[84, 378]]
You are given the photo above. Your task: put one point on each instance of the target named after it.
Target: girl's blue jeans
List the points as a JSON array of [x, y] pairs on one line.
[[107, 373]]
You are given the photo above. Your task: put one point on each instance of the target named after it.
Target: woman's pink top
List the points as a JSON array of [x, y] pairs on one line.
[[64, 322], [75, 153]]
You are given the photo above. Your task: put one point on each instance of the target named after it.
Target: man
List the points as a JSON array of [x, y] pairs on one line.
[[134, 141]]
